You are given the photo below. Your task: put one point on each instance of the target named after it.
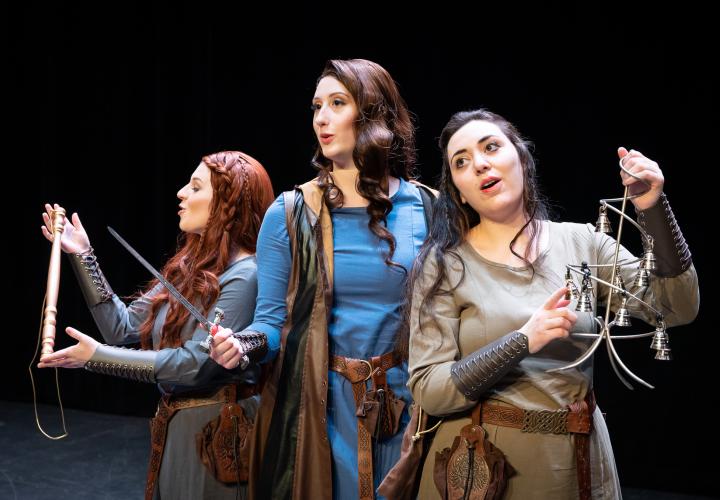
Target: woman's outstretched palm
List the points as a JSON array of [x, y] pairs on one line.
[[74, 238]]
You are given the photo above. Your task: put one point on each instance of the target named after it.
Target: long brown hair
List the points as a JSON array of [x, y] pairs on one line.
[[242, 192], [452, 219], [385, 141]]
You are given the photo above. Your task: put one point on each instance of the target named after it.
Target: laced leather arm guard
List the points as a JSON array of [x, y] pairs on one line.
[[93, 284], [672, 254], [478, 372], [253, 344], [133, 364]]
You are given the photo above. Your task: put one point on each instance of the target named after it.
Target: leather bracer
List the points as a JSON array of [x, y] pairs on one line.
[[133, 364], [93, 284], [253, 344], [672, 255], [478, 372]]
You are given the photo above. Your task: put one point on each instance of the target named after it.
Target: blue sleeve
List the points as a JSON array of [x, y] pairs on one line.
[[274, 261]]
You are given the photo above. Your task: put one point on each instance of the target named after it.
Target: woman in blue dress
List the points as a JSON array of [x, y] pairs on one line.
[[333, 259]]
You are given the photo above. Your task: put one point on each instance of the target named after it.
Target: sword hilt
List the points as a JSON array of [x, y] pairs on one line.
[[205, 344], [219, 316]]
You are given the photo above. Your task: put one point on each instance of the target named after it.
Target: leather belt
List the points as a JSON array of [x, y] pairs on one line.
[[358, 372], [169, 405], [575, 419], [544, 421]]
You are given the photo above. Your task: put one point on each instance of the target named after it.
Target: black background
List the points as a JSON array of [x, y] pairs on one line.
[[112, 107]]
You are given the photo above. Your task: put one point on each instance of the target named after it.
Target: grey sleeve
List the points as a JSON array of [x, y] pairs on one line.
[[188, 365], [120, 324]]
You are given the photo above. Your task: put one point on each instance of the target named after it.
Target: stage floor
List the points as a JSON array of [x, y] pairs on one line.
[[103, 458]]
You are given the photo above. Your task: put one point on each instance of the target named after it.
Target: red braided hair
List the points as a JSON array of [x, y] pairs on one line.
[[242, 192]]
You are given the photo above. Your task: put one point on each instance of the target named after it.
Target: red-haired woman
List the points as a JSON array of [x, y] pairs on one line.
[[221, 209]]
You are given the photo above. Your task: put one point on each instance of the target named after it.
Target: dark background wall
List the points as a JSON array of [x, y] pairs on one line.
[[111, 110]]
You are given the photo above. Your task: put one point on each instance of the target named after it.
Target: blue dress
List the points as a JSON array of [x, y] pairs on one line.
[[366, 313]]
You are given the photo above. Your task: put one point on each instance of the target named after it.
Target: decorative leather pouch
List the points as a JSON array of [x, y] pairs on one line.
[[223, 444], [380, 412], [472, 468]]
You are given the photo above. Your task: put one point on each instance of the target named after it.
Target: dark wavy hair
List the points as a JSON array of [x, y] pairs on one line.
[[242, 192], [385, 141], [452, 219]]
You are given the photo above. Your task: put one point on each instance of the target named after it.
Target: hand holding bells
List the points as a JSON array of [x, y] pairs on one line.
[[665, 252]]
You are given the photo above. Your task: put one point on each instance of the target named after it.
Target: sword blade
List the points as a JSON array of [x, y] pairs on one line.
[[170, 288]]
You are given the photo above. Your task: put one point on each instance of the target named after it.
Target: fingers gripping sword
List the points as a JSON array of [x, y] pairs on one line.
[[211, 327]]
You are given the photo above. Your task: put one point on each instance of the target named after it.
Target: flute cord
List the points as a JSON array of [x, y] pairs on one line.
[[57, 385]]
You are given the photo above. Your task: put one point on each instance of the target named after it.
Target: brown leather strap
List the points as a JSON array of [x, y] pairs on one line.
[[582, 446], [477, 414], [167, 407], [359, 371], [582, 460], [573, 420]]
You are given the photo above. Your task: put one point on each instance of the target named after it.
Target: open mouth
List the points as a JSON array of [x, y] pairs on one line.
[[489, 184]]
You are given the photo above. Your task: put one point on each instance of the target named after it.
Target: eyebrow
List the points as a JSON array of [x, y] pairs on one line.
[[197, 179], [479, 142], [334, 93]]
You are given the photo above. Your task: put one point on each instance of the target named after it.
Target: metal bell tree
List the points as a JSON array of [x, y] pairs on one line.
[[616, 286]]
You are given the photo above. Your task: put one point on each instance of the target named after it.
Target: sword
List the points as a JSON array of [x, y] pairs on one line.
[[211, 327]]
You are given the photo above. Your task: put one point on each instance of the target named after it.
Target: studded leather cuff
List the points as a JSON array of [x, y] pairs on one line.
[[253, 344], [672, 255], [478, 372], [133, 364], [93, 284]]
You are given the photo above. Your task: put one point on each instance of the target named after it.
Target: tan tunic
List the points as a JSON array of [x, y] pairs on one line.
[[494, 299]]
